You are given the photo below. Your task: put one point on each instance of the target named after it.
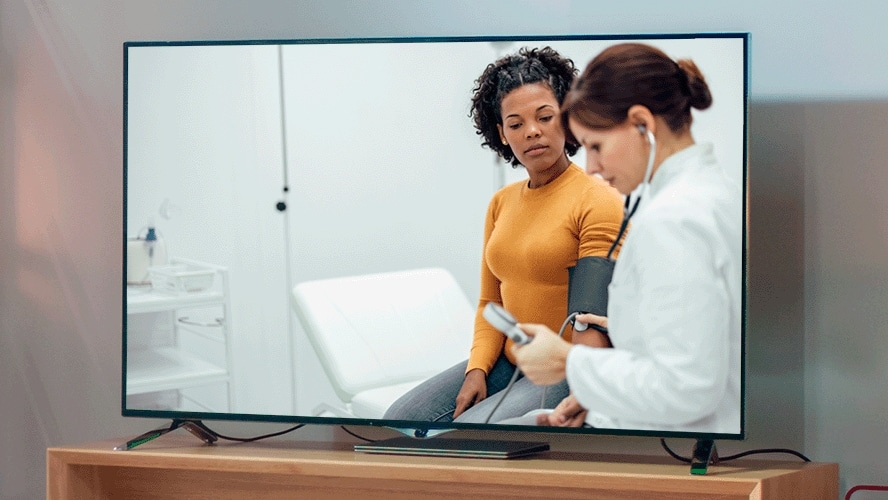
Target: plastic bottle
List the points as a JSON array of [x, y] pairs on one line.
[[144, 252], [155, 246]]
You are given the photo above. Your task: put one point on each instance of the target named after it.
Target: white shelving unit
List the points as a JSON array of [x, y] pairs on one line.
[[179, 345]]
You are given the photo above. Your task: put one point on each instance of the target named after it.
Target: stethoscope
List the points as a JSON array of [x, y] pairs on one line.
[[642, 190]]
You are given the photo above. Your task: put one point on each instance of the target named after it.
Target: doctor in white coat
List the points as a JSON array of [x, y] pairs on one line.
[[674, 310]]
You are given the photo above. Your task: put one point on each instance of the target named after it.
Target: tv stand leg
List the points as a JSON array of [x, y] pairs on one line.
[[195, 427], [200, 431], [705, 455]]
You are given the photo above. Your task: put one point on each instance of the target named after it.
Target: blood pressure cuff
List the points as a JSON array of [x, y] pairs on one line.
[[587, 285]]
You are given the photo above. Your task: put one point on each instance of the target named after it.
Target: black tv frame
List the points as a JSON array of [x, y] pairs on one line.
[[416, 428]]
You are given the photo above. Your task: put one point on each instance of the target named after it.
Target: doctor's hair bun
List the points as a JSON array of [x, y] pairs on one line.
[[627, 74], [698, 89]]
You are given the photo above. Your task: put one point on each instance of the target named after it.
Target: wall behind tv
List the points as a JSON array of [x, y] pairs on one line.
[[816, 340]]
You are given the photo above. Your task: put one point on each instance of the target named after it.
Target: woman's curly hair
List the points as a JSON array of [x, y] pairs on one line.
[[537, 65]]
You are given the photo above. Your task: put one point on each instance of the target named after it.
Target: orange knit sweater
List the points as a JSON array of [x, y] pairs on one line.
[[531, 238]]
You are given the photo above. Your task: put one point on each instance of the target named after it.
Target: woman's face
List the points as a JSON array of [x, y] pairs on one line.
[[619, 154], [532, 128]]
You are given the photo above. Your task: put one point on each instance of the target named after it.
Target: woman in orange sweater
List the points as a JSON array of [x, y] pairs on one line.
[[534, 231]]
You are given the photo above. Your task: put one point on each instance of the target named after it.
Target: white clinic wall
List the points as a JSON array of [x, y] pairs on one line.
[[205, 165], [818, 92]]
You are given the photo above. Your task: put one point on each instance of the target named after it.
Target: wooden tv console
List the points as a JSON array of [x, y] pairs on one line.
[[178, 466]]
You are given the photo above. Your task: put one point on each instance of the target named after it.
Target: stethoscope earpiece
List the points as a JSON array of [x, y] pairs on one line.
[[642, 129]]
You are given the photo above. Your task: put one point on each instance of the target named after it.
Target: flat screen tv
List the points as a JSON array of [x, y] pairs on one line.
[[304, 221]]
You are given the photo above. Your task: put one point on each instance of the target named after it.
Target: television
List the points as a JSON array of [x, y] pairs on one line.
[[261, 173]]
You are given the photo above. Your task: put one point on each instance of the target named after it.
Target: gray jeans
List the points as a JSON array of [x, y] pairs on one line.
[[435, 399]]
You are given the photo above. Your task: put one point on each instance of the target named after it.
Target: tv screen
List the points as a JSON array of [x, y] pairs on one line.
[[305, 225]]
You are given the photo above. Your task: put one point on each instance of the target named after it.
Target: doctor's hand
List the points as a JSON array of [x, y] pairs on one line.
[[590, 336], [568, 413], [544, 359]]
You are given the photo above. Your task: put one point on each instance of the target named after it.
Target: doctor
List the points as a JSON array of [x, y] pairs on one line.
[[674, 309]]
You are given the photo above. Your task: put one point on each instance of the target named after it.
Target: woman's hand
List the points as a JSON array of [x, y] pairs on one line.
[[543, 360], [472, 392], [568, 413]]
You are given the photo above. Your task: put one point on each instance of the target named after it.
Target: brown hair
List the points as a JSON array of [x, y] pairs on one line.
[[627, 74]]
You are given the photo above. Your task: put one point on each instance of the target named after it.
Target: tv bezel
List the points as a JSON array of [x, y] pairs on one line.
[[422, 428]]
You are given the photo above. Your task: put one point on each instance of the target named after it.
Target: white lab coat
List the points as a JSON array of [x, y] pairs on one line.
[[674, 309]]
